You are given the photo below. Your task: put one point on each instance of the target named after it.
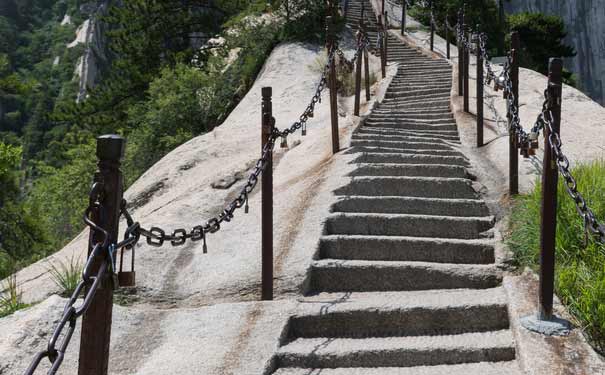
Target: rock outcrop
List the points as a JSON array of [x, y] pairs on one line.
[[585, 22]]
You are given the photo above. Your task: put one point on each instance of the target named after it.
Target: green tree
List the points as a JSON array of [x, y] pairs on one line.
[[541, 38]]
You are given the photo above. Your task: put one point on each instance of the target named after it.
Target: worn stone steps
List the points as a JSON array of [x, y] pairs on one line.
[[398, 351], [481, 368], [411, 205], [406, 249], [405, 279]]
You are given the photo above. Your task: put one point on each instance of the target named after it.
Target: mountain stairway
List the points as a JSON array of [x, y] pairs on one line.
[[406, 281]]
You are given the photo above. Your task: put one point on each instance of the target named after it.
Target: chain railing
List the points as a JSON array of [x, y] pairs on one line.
[[101, 263]]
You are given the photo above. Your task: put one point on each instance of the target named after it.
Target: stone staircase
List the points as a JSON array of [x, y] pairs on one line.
[[406, 281]]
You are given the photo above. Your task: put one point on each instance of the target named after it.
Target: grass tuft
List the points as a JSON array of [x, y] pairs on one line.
[[580, 261], [11, 298], [66, 276]]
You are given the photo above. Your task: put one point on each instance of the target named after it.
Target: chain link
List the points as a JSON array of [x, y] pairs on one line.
[[89, 285]]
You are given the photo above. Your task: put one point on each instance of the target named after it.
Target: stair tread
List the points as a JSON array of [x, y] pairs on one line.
[[481, 368]]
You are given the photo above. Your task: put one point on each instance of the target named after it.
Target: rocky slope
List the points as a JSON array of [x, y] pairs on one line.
[[585, 21]]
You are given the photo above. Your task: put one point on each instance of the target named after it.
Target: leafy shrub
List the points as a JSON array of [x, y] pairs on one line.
[[580, 270]]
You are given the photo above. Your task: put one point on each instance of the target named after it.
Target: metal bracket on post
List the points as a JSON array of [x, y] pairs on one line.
[[267, 125], [544, 321], [96, 322]]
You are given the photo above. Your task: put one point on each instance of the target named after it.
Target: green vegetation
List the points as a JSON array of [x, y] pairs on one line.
[[156, 87], [541, 38], [580, 270], [10, 300], [67, 276], [541, 35]]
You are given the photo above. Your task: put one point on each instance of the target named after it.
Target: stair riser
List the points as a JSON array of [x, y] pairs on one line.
[[409, 126], [401, 145], [445, 171], [421, 226], [412, 322], [399, 358], [405, 250], [412, 206], [376, 158], [371, 279], [409, 187]]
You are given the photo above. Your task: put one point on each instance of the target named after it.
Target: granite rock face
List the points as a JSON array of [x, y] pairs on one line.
[[585, 22]]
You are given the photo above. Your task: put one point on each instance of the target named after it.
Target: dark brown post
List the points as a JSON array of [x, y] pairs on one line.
[[386, 39], [333, 87], [267, 198], [383, 66], [447, 37], [550, 177], [513, 149], [358, 73], [383, 7], [479, 94], [432, 29], [403, 11], [460, 56], [96, 322], [467, 58], [366, 65]]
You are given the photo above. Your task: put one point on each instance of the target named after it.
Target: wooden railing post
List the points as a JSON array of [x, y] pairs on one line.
[[383, 11], [331, 45], [513, 149], [479, 93], [460, 56], [386, 39], [358, 63], [267, 125], [550, 176], [432, 27], [467, 58], [366, 65], [382, 54], [346, 9], [96, 322], [403, 11], [447, 37]]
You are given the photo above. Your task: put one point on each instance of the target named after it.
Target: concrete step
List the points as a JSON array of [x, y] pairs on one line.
[[426, 187], [416, 313], [406, 249], [398, 351], [481, 368], [402, 144], [411, 205], [410, 170], [399, 158], [391, 150], [400, 115], [339, 275], [446, 135], [410, 125], [410, 136], [376, 224]]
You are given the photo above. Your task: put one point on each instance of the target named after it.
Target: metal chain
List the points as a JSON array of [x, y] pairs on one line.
[[591, 223], [88, 285]]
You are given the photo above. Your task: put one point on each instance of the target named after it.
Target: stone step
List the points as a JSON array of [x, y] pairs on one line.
[[391, 150], [373, 224], [409, 125], [402, 94], [339, 275], [481, 368], [400, 115], [447, 135], [416, 102], [406, 249], [416, 313], [405, 89], [420, 187], [410, 136], [411, 205], [401, 144], [378, 158], [410, 170]]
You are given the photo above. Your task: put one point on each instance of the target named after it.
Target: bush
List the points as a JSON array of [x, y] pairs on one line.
[[580, 274]]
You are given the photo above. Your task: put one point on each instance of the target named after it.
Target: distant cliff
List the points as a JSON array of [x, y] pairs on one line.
[[585, 22]]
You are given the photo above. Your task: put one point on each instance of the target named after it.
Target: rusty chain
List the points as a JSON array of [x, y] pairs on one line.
[[88, 285], [591, 222]]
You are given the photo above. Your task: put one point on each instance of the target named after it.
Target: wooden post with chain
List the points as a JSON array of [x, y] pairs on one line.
[[267, 124], [358, 62], [467, 58], [479, 93], [460, 55], [513, 147], [331, 47], [96, 322]]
